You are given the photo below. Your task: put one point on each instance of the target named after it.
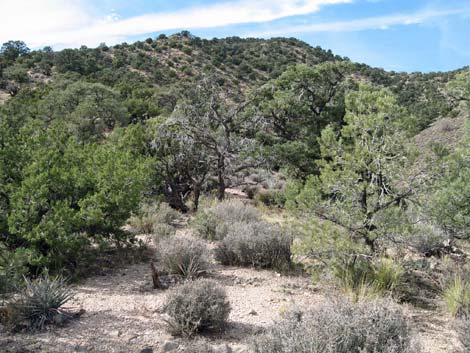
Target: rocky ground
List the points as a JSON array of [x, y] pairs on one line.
[[122, 313]]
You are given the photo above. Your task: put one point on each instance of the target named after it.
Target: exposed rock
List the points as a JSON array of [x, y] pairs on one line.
[[147, 350], [169, 346]]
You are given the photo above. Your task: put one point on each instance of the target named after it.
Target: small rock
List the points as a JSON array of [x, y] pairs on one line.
[[224, 348], [253, 312], [239, 349], [115, 333], [169, 346], [147, 350]]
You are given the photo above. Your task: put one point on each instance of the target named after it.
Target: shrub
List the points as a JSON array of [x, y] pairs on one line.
[[41, 302], [429, 241], [162, 231], [387, 275], [457, 296], [166, 214], [197, 307], [270, 198], [364, 277], [184, 256], [213, 223], [257, 244], [12, 269], [150, 216], [340, 327]]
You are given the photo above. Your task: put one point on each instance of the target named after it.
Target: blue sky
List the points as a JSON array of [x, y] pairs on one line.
[[400, 35]]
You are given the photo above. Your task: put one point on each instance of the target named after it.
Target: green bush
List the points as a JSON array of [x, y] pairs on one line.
[[73, 195], [41, 302], [12, 269], [256, 244], [340, 327], [197, 307], [213, 223], [184, 256]]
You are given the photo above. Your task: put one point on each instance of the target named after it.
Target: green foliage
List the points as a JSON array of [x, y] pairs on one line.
[[457, 296], [450, 205], [17, 73], [90, 110], [256, 244], [197, 307], [72, 194], [364, 182], [13, 49], [296, 107], [41, 302], [12, 269], [270, 198], [459, 89], [340, 327], [331, 252], [183, 256]]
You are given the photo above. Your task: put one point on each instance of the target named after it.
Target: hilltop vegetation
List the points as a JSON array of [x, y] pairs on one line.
[[100, 145]]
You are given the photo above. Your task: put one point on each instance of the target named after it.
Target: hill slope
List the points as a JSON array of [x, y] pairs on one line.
[[153, 69]]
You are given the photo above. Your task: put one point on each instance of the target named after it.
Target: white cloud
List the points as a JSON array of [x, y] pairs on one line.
[[379, 22], [72, 23]]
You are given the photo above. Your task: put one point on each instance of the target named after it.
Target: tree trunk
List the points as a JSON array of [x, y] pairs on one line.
[[196, 195], [174, 198], [221, 178]]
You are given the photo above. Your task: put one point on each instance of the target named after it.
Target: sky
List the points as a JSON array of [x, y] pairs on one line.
[[398, 35]]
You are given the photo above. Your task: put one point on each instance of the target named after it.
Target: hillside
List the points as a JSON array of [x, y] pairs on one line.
[[154, 69], [230, 195]]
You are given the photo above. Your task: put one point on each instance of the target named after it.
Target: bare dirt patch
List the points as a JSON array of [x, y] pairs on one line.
[[122, 313]]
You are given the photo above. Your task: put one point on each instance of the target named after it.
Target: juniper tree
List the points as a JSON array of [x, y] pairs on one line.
[[365, 171]]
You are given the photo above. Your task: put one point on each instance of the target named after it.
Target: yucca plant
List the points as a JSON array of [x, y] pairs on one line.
[[41, 302]]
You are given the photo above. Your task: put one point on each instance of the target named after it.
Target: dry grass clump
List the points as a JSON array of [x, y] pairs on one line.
[[256, 244], [340, 327], [196, 307], [184, 256]]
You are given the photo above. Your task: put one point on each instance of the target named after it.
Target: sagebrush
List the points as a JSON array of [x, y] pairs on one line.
[[183, 255], [257, 244], [214, 223], [197, 307], [340, 327]]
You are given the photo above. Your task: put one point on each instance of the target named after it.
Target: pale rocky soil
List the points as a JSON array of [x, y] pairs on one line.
[[4, 96], [122, 313]]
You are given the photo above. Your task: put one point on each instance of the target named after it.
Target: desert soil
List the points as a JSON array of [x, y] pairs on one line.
[[122, 313]]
